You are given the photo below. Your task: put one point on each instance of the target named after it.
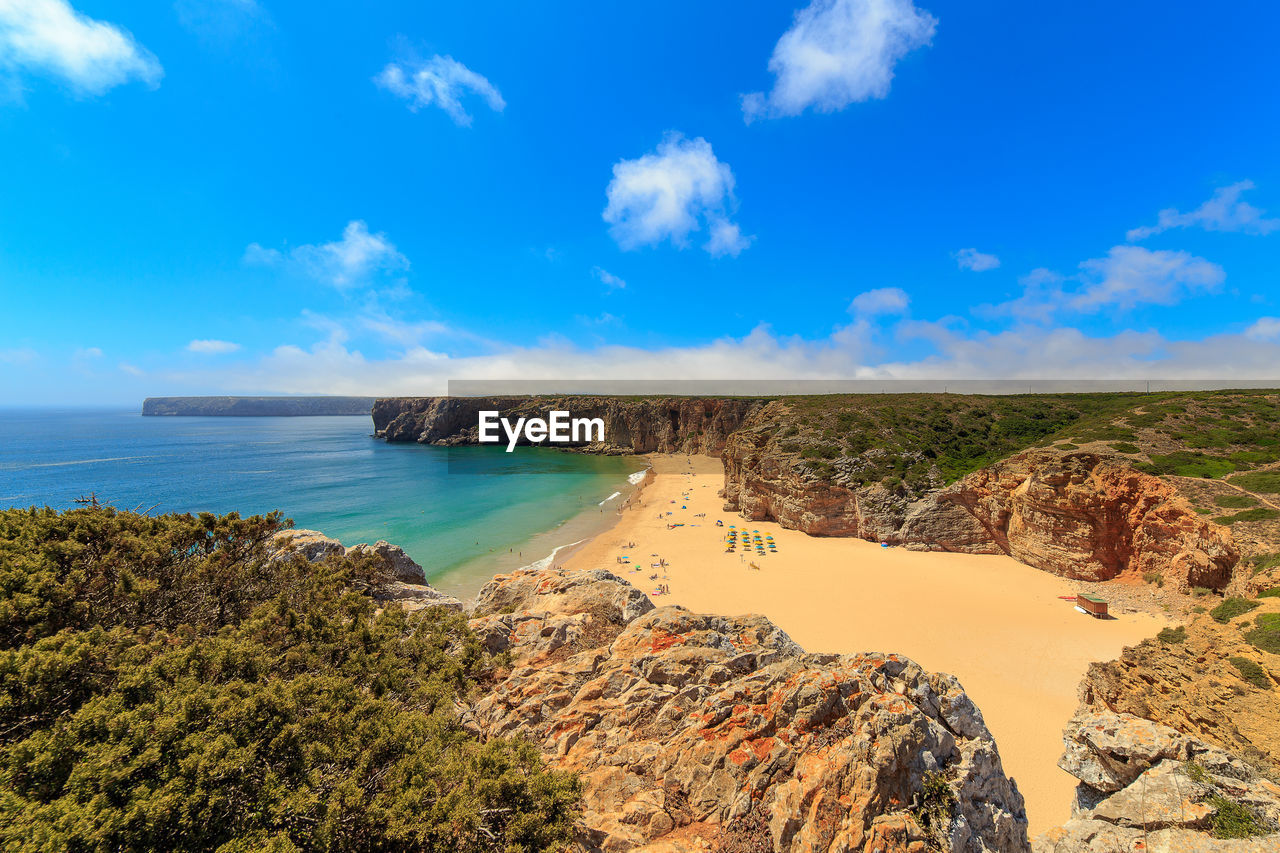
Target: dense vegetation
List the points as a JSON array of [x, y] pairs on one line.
[[171, 683], [913, 442], [1265, 634]]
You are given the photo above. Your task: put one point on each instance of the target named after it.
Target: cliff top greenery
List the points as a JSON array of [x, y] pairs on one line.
[[913, 442], [170, 683]]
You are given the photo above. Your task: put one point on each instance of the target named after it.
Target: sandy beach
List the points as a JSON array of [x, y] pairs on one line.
[[996, 624]]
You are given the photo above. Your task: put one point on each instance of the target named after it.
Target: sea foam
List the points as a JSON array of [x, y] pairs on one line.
[[545, 562], [634, 479]]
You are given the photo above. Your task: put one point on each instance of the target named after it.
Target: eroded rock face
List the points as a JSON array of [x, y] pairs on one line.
[[669, 425], [1191, 686], [408, 583], [1078, 515], [679, 721], [1145, 787], [1090, 517]]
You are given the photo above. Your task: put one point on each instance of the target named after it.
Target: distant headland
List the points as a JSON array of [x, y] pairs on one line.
[[257, 407]]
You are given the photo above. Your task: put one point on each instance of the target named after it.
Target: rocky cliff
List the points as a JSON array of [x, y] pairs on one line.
[[406, 583], [632, 425], [1148, 788], [256, 407], [1080, 515], [697, 732]]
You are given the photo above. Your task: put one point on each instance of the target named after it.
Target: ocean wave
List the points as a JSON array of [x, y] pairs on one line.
[[606, 500], [22, 466], [634, 479], [546, 561]]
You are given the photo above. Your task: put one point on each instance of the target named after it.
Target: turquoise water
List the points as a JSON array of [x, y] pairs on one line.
[[462, 513]]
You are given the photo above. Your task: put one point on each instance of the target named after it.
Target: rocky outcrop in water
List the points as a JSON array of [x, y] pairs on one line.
[[696, 732], [406, 582], [1079, 515], [639, 425], [1148, 787]]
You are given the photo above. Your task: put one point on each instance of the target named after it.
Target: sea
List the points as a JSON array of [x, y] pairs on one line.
[[464, 514]]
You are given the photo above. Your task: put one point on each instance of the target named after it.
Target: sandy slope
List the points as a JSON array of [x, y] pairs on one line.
[[996, 624]]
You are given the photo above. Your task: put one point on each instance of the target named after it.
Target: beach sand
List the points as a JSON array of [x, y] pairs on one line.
[[994, 623]]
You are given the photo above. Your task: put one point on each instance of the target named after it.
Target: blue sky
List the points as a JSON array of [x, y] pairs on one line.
[[230, 196]]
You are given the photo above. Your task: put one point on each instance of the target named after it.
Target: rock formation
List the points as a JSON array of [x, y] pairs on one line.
[[407, 582], [632, 425], [689, 729], [1079, 515], [1191, 685], [1148, 787], [256, 407]]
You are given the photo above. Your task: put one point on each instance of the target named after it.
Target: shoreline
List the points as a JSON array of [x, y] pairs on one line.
[[996, 624], [547, 548]]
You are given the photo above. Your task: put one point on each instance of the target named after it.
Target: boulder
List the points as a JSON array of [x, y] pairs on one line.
[[1147, 787], [408, 585], [679, 721]]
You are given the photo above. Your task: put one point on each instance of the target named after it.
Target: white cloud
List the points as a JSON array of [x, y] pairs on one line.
[[1032, 352], [1131, 275], [1223, 212], [972, 259], [671, 193], [212, 347], [51, 38], [256, 255], [609, 280], [352, 261], [882, 300], [1264, 329], [839, 52], [1128, 276], [18, 355], [440, 81], [89, 352], [132, 370], [726, 239]]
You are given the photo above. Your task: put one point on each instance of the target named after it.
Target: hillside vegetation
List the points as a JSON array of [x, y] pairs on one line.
[[913, 442], [170, 683]]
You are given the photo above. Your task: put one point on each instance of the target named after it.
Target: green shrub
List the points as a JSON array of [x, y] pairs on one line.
[[1172, 635], [1266, 633], [1066, 445], [1273, 592], [1266, 482], [1260, 513], [1195, 770], [1153, 577], [170, 683], [1251, 672], [1231, 608], [1232, 819], [1125, 447], [1186, 463], [1264, 562], [934, 808], [1235, 501]]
